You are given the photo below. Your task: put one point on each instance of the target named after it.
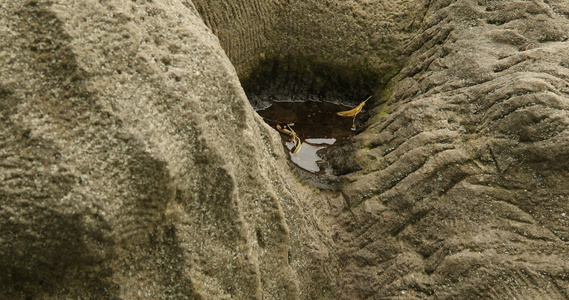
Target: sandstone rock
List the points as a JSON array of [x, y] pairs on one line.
[[470, 169], [335, 50], [133, 167], [461, 191]]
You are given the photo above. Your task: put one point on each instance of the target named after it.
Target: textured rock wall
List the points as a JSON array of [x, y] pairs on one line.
[[336, 50], [463, 188], [132, 165]]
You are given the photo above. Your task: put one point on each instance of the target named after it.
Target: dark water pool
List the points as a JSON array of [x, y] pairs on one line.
[[317, 125]]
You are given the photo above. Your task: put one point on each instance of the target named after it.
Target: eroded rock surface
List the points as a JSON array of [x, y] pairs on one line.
[[464, 187], [132, 165], [335, 50], [462, 184]]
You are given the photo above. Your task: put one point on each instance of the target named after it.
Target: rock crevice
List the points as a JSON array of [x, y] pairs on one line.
[[132, 165]]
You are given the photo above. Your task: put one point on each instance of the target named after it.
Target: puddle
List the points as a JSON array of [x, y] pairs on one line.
[[315, 123]]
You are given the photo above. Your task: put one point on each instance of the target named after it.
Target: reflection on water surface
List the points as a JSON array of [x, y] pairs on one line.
[[317, 125]]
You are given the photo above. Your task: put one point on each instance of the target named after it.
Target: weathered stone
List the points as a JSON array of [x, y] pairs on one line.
[[132, 165], [470, 167], [335, 50], [458, 186]]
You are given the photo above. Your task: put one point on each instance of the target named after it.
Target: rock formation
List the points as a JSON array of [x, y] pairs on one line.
[[132, 165], [336, 50], [463, 188]]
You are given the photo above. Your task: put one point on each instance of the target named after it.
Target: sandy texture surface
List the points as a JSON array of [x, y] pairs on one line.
[[132, 165]]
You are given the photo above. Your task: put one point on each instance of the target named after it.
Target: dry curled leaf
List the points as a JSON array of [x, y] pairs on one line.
[[297, 143], [353, 112], [295, 140], [283, 130]]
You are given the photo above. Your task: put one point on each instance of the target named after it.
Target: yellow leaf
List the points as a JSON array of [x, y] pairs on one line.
[[295, 140], [297, 145], [284, 130], [354, 111]]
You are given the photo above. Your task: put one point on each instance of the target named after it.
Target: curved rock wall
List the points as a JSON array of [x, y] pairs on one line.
[[336, 50], [463, 190], [132, 165]]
